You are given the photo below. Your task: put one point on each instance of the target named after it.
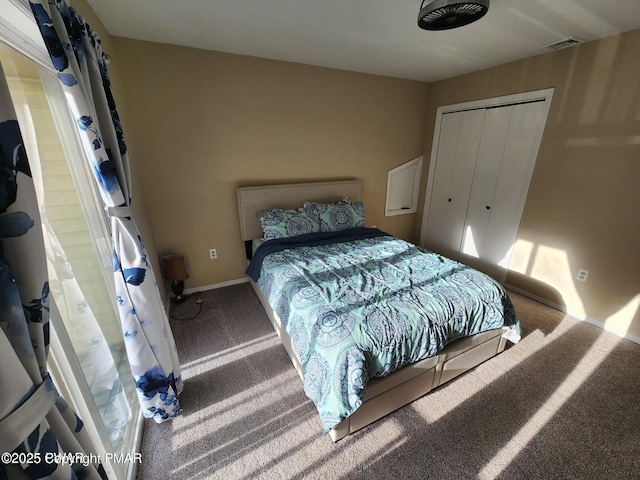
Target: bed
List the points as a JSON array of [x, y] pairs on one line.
[[370, 322]]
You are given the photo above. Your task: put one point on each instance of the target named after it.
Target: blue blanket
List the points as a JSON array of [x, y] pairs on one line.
[[360, 304], [306, 240]]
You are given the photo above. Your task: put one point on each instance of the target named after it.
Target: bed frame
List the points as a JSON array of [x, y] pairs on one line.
[[383, 395]]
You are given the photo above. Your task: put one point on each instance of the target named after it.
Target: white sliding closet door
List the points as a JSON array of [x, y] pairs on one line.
[[479, 179]]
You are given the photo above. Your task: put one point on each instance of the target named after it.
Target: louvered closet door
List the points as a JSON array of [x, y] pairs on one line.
[[456, 159]]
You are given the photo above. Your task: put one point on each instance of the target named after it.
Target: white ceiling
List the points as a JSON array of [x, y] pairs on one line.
[[372, 36]]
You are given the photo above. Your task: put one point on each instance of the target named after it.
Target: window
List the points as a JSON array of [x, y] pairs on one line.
[[87, 361]]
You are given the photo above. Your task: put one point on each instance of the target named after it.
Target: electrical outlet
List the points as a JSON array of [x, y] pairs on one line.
[[213, 254], [582, 275]]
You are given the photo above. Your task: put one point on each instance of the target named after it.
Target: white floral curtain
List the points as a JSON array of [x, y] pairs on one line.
[[77, 56], [36, 424]]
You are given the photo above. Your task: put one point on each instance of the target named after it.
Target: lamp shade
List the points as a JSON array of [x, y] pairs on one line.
[[174, 268]]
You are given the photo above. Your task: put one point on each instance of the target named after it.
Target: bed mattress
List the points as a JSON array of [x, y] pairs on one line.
[[361, 304]]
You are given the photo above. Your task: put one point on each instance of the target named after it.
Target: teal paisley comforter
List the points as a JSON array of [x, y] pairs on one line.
[[361, 304]]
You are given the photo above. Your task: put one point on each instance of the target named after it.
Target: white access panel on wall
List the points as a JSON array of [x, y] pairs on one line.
[[481, 166], [403, 188]]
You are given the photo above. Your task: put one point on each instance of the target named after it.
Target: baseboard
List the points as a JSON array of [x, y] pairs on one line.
[[579, 316], [189, 291], [217, 285]]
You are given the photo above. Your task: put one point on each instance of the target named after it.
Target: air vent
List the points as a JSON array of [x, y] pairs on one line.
[[567, 42]]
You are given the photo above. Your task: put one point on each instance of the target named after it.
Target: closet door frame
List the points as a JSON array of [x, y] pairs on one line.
[[544, 95]]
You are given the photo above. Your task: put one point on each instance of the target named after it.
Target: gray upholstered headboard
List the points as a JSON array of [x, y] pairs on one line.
[[287, 196]]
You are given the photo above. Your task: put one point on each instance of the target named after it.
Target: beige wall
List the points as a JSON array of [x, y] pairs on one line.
[[583, 206], [204, 123]]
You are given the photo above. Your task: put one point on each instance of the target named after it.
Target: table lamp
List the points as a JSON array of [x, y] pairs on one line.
[[175, 271]]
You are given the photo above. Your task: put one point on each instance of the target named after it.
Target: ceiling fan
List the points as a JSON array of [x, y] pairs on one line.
[[448, 14]]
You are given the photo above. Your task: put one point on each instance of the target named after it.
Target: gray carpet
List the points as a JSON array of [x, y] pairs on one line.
[[563, 403]]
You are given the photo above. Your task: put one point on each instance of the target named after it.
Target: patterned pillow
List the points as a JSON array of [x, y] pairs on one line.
[[337, 216], [278, 223]]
